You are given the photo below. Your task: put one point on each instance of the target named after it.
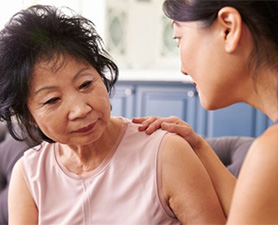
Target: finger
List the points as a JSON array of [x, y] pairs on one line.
[[139, 119], [143, 127], [174, 120], [171, 119], [153, 126], [154, 123], [185, 131], [182, 130], [145, 120]]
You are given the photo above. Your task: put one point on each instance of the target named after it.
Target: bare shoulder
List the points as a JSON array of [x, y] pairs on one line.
[[22, 209], [262, 158], [264, 150], [269, 138], [17, 173], [177, 155], [256, 189], [186, 185], [175, 145]]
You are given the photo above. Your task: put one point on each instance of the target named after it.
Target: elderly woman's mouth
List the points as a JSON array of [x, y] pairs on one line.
[[85, 129]]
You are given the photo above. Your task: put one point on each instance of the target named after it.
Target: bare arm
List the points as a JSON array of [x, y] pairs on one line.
[[222, 179], [187, 186], [256, 194], [22, 209]]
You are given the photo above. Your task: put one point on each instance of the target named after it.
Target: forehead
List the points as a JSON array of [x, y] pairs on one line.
[[58, 69], [188, 24], [56, 62]]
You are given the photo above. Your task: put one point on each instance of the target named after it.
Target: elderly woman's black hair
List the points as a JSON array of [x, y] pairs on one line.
[[261, 17], [44, 33]]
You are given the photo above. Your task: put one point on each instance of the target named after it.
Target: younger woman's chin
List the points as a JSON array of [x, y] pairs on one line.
[[212, 105]]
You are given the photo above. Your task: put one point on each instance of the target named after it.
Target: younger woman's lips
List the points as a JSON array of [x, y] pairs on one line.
[[184, 73], [85, 129]]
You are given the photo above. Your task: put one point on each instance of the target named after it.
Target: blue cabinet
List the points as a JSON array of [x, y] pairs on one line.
[[237, 120], [166, 100], [122, 100], [136, 99]]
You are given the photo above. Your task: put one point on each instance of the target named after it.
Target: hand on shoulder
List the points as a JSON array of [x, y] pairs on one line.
[[171, 124]]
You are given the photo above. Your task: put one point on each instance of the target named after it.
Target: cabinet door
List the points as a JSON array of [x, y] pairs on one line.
[[167, 101], [262, 123], [122, 101], [237, 120]]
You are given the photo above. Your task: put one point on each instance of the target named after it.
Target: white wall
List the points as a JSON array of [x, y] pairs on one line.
[[95, 11], [92, 9], [7, 9]]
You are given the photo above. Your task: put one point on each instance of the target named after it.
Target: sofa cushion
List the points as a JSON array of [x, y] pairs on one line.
[[10, 151], [231, 151], [3, 130]]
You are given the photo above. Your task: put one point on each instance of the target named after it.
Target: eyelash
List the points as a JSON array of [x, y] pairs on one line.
[[51, 101], [177, 40], [86, 84]]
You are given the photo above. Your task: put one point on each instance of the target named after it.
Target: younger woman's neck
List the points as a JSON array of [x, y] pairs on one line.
[[265, 94]]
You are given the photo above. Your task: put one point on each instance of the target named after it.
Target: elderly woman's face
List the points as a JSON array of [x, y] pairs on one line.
[[69, 103]]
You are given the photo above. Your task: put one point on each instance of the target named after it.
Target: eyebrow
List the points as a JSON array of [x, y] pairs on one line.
[[174, 22], [54, 87], [79, 72]]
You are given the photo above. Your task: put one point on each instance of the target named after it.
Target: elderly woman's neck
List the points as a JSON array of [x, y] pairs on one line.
[[82, 159]]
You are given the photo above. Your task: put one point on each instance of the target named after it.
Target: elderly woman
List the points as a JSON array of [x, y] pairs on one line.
[[55, 80]]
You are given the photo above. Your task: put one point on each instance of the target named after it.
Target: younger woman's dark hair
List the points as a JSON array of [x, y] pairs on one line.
[[261, 17], [44, 33]]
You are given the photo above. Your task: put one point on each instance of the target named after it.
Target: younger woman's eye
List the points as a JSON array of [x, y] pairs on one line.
[[52, 101], [177, 40], [86, 85]]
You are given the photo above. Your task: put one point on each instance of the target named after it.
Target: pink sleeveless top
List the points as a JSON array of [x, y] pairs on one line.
[[124, 189]]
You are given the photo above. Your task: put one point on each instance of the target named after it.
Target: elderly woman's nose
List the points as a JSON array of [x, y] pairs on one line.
[[78, 109]]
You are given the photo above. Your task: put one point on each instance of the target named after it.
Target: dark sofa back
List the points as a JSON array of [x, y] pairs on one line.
[[10, 151]]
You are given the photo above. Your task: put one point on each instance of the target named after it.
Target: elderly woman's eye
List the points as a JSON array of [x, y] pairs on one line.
[[86, 85], [51, 101]]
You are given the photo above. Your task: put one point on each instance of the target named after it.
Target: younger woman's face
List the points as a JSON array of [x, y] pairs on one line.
[[70, 104], [204, 58]]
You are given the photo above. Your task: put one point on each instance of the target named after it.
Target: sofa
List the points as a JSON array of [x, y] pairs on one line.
[[230, 150]]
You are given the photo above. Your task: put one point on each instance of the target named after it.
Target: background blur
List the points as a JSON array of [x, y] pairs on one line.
[[136, 32]]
